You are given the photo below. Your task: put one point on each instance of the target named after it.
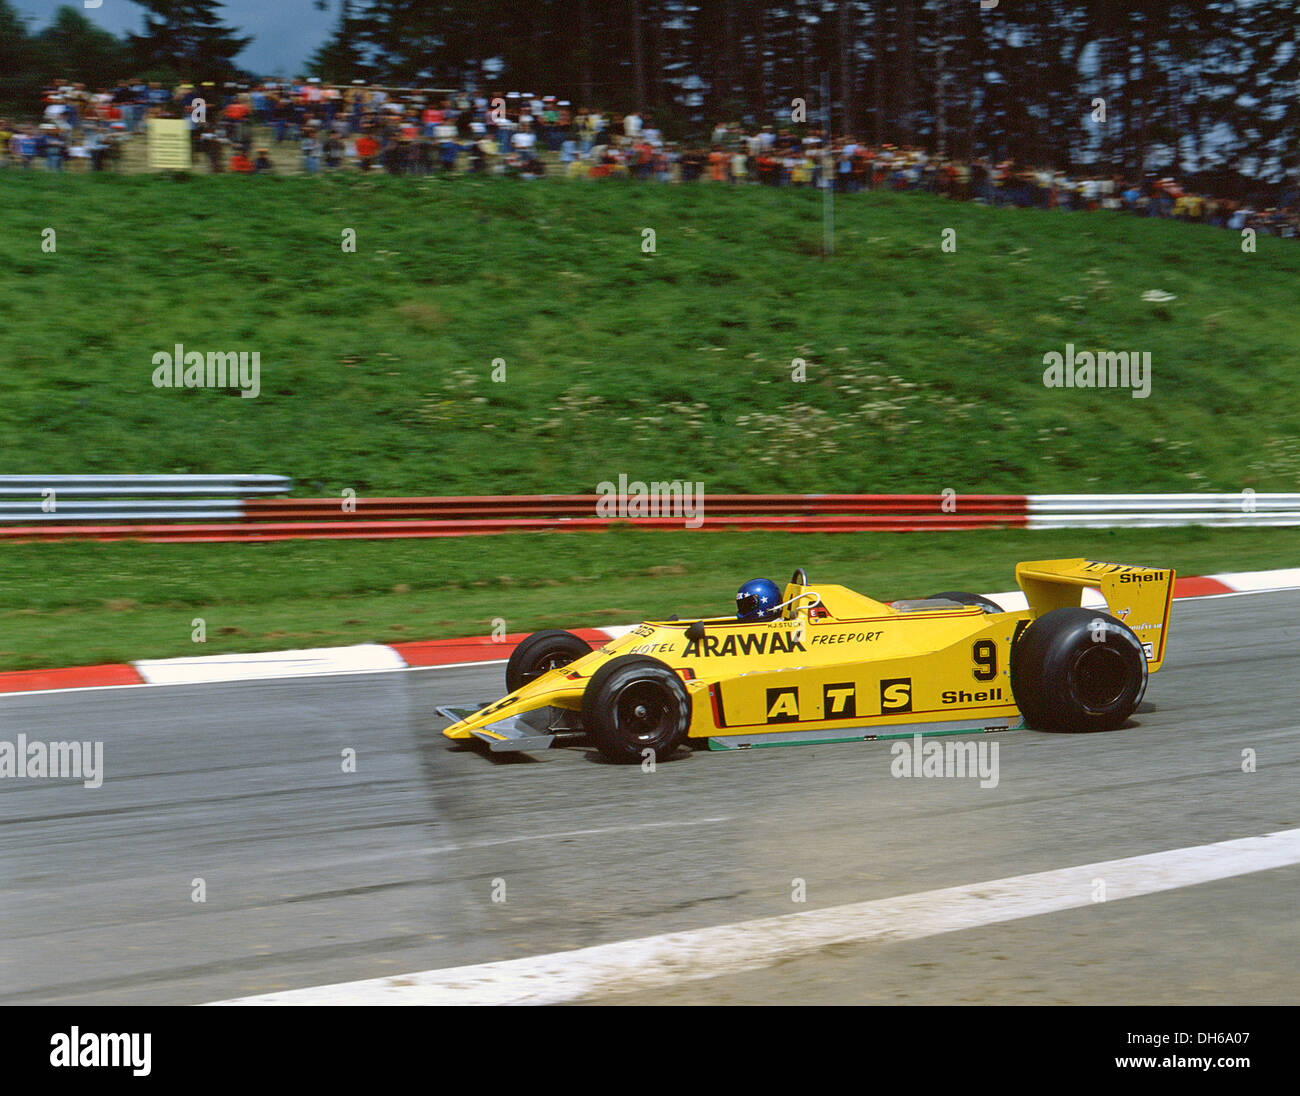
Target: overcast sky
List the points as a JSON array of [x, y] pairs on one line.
[[285, 32]]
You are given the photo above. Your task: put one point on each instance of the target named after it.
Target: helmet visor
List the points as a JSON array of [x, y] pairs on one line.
[[746, 605]]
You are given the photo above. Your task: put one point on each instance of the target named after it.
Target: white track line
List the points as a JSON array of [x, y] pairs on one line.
[[359, 658], [658, 961], [1260, 581], [254, 681]]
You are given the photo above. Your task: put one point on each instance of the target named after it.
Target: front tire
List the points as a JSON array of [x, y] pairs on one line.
[[634, 703], [542, 652], [1077, 670]]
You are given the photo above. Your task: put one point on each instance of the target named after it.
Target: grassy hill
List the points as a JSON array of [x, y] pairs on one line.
[[924, 371], [924, 368]]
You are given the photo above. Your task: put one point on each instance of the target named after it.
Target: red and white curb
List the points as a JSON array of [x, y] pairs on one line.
[[368, 658]]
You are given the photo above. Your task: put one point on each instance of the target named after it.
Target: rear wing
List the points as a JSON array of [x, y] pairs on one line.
[[1139, 596]]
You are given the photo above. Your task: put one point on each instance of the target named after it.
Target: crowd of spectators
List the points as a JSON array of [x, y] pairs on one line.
[[315, 127], [75, 125]]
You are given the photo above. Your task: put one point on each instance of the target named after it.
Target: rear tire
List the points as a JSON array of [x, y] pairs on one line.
[[1077, 670], [541, 652], [635, 703], [972, 599]]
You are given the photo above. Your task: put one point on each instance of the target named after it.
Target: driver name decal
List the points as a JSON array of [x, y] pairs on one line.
[[750, 643]]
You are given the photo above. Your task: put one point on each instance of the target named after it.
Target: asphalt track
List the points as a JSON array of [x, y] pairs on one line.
[[317, 876]]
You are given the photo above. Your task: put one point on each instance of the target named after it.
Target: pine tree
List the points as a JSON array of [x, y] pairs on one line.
[[1261, 106], [343, 57], [19, 84], [187, 36], [407, 39], [75, 48]]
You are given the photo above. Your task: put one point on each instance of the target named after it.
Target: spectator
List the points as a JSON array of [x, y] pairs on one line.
[[56, 149], [333, 151], [210, 145], [524, 142], [367, 149], [395, 156], [718, 161], [311, 148], [448, 150], [416, 133]]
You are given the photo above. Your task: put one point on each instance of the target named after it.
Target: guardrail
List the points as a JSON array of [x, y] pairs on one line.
[[263, 519], [1153, 511], [1238, 502], [585, 506], [52, 499], [149, 486]]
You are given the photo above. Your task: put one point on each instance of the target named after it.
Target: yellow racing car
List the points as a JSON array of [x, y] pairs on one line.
[[820, 663]]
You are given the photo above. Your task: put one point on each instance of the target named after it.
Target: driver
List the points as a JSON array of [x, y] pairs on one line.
[[758, 599]]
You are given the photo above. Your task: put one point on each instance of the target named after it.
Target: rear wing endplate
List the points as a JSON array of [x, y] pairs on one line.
[[1139, 596]]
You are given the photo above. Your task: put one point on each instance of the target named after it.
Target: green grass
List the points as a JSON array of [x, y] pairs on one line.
[[923, 368], [923, 372], [81, 603]]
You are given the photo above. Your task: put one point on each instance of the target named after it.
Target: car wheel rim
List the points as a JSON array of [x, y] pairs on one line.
[[1100, 677], [552, 660], [642, 712]]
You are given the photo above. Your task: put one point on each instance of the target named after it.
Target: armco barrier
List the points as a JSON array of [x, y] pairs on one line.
[[146, 486], [1153, 511], [1240, 503], [381, 530], [265, 519], [586, 506], [56, 500]]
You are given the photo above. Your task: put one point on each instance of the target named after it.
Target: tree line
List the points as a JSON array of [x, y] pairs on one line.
[[179, 40], [1193, 87], [1179, 85]]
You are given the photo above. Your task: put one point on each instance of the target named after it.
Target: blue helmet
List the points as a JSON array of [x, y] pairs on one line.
[[758, 600]]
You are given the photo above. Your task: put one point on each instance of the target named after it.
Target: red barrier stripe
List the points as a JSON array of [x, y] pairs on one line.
[[509, 506], [515, 501], [419, 529]]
